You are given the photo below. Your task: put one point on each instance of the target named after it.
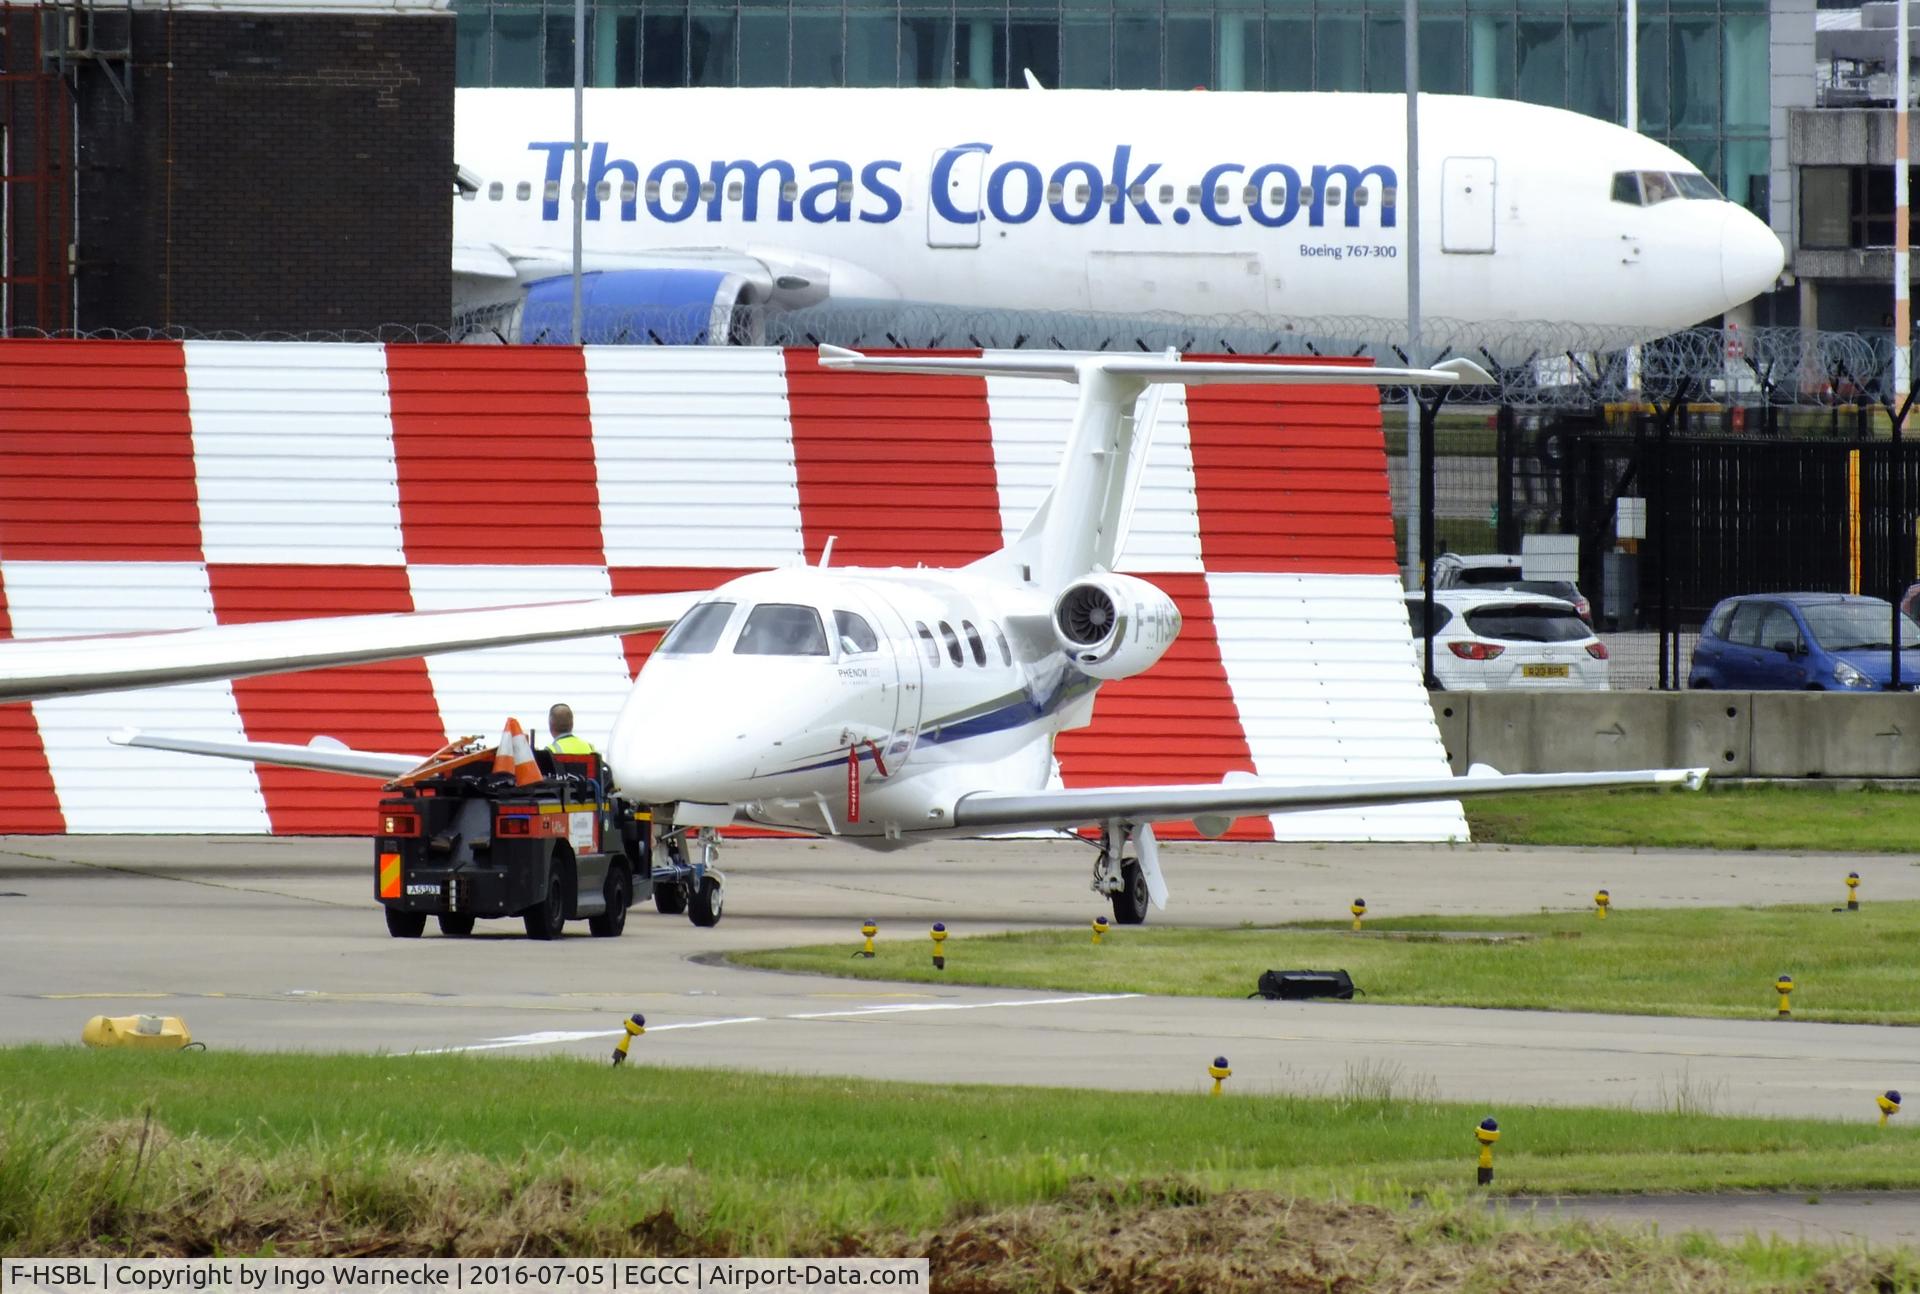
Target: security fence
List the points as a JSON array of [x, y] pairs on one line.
[[1692, 466]]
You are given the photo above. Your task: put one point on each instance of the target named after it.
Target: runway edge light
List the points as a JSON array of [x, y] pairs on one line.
[[1099, 929], [1889, 1103], [1221, 1072], [867, 930], [1486, 1134], [939, 945], [1359, 909], [1784, 987], [1601, 902], [635, 1025]]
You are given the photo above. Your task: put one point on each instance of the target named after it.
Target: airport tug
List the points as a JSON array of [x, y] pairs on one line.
[[504, 831]]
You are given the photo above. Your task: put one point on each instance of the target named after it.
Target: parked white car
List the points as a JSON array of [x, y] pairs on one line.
[[1498, 639]]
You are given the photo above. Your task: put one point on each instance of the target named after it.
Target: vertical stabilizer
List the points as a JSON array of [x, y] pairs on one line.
[[1082, 524]]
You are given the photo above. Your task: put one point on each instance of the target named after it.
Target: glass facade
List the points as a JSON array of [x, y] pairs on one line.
[[1703, 63]]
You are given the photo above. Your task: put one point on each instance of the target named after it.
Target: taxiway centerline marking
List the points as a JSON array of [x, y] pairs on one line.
[[549, 1036]]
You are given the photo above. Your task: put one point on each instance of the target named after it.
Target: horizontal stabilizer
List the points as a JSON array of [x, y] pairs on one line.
[[1071, 366]]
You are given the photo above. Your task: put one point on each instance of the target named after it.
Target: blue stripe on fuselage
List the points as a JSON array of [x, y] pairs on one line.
[[1012, 715]]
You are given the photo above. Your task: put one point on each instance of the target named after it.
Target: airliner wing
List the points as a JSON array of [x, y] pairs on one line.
[[321, 757], [1025, 811], [33, 668]]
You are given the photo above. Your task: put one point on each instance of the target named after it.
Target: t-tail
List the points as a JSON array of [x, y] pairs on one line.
[[1081, 526]]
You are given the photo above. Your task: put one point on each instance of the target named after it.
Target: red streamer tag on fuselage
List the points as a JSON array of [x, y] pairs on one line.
[[853, 785]]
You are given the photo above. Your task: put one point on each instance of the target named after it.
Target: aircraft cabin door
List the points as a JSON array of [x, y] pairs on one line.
[[1466, 205], [965, 175], [900, 708]]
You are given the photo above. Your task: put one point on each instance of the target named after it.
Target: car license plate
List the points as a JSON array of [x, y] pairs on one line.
[[1543, 671]]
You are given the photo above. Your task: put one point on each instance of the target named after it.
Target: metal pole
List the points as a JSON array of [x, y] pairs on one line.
[[579, 150], [1633, 65], [1902, 316], [1409, 205]]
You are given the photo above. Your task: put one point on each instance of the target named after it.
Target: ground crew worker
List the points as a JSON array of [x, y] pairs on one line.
[[564, 741]]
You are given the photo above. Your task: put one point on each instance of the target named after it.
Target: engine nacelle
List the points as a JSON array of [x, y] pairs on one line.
[[1114, 626], [662, 307]]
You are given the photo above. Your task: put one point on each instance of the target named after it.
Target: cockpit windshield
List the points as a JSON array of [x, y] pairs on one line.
[[1646, 188], [695, 633], [782, 629]]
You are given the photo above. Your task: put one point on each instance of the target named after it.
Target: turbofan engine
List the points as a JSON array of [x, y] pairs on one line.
[[1114, 626]]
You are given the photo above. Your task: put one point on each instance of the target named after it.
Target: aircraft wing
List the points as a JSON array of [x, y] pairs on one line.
[[1025, 811], [33, 668], [322, 756]]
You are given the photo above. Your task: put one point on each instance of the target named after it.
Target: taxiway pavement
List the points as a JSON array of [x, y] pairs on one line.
[[277, 943]]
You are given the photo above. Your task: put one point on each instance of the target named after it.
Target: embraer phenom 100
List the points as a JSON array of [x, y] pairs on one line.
[[884, 706], [1122, 202]]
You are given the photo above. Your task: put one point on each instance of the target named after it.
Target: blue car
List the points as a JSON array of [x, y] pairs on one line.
[[1818, 642]]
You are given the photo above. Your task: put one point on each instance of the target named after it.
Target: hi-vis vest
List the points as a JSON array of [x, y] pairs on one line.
[[570, 744]]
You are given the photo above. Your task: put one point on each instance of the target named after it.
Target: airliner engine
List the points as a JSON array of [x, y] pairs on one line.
[[1114, 626]]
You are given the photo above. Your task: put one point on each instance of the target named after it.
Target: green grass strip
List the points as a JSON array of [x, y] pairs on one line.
[[106, 1151], [1786, 819], [1855, 967]]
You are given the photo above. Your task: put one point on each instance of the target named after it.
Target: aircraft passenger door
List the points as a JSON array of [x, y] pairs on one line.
[[965, 175], [902, 674], [1466, 205]]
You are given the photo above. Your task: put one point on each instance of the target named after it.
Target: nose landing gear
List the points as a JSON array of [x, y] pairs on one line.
[[695, 888]]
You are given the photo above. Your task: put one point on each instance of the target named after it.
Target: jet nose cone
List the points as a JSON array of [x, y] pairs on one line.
[[1751, 256]]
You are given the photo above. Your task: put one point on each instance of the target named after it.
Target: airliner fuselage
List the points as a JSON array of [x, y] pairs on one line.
[[1122, 202]]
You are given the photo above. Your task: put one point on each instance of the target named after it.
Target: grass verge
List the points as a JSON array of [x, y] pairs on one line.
[[1005, 1188], [1852, 968], [1781, 818]]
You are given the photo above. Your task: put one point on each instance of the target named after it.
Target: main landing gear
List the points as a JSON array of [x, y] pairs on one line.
[[1127, 881], [695, 888]]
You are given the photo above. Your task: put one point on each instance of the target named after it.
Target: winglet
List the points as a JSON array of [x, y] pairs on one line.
[[123, 736], [1033, 82], [1466, 372]]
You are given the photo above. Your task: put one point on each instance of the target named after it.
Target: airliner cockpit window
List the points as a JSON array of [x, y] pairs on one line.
[[697, 631], [782, 629], [1658, 186], [856, 635], [1696, 186], [1626, 187]]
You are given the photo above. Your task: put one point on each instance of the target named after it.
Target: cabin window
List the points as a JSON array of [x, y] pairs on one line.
[[856, 635], [468, 195], [953, 643], [496, 191], [789, 192], [927, 644], [734, 190], [1006, 652], [627, 192], [1193, 195], [603, 190], [707, 191], [782, 629], [973, 641], [695, 633], [523, 190], [1166, 195]]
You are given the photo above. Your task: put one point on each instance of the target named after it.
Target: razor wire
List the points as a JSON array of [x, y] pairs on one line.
[[1536, 364]]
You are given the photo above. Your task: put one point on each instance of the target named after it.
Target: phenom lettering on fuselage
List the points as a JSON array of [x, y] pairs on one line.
[[1010, 191]]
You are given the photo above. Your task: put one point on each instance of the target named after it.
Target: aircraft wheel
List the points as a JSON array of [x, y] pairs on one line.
[[610, 923], [1130, 900], [546, 919], [402, 924], [703, 907], [456, 925], [669, 898]]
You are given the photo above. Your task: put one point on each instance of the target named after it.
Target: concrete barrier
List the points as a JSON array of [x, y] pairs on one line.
[[1732, 734]]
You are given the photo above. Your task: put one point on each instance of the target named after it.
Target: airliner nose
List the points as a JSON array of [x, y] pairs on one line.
[[1751, 256]]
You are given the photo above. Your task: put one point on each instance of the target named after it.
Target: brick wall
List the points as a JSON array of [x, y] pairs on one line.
[[273, 172]]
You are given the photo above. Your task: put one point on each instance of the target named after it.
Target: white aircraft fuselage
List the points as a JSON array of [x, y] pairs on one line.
[[1126, 202], [952, 693]]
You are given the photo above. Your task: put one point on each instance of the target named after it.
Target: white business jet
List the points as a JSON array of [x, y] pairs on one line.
[[883, 706], [704, 209]]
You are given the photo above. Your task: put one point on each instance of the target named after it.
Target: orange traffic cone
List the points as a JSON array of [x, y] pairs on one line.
[[515, 755]]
